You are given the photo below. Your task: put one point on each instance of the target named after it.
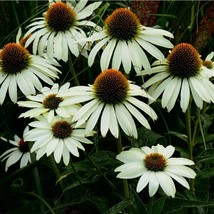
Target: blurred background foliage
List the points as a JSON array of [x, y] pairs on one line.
[[96, 192]]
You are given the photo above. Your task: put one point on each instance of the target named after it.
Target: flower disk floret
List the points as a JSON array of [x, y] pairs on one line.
[[156, 168]]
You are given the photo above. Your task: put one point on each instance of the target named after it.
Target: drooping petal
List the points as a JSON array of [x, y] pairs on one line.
[[166, 183], [143, 181]]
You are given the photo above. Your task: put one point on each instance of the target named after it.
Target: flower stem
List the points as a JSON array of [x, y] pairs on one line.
[[190, 139], [73, 72], [189, 132], [151, 201], [125, 182], [56, 171], [38, 182], [201, 129], [192, 17]]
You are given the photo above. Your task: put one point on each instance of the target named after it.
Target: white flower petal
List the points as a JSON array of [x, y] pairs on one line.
[[92, 121], [114, 129], [130, 170], [153, 183], [51, 146], [58, 151], [95, 50], [166, 183], [132, 155], [168, 151], [185, 95], [143, 181], [179, 179], [66, 156], [107, 54], [84, 113], [125, 56], [179, 161], [155, 52], [13, 89], [181, 171], [105, 120]]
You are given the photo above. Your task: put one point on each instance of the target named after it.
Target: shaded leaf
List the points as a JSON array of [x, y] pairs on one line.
[[158, 206], [147, 137], [117, 208], [172, 205]]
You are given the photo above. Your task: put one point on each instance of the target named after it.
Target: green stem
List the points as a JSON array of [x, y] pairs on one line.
[[43, 202], [201, 129], [151, 201], [190, 139], [189, 132], [125, 182], [15, 13], [38, 182], [37, 179], [56, 171], [192, 17], [73, 72], [38, 186]]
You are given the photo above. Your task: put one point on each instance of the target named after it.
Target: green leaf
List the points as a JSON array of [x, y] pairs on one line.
[[181, 136], [147, 137], [101, 203], [139, 207], [104, 158], [158, 206], [202, 186], [117, 208], [205, 156], [87, 178], [172, 205], [206, 173]]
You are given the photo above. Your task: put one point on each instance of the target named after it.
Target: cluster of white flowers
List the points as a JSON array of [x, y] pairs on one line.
[[65, 116]]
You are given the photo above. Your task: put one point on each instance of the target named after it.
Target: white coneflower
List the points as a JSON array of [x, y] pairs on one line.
[[51, 102], [57, 32], [182, 72], [113, 99], [20, 69], [58, 136], [124, 40], [155, 167], [20, 152]]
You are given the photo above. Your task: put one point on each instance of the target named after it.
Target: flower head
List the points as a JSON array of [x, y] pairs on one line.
[[124, 40], [21, 151], [19, 68], [57, 32], [51, 102], [58, 136], [155, 167], [111, 97], [182, 72]]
